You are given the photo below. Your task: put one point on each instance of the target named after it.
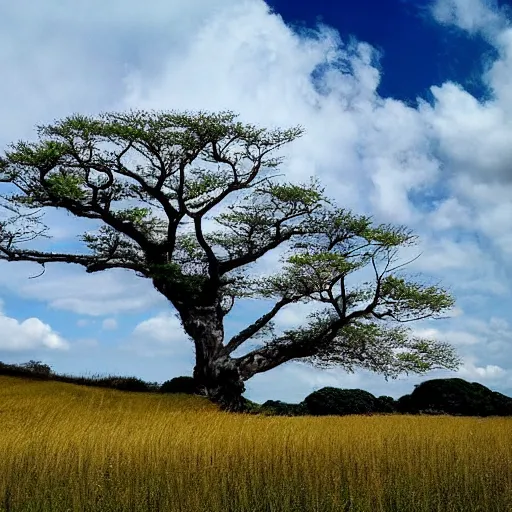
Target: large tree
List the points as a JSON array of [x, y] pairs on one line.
[[185, 165]]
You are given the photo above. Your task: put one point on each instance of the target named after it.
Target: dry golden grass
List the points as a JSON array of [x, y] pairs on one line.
[[65, 448]]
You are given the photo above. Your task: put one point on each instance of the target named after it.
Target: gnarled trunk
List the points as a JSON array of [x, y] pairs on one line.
[[216, 375], [220, 380]]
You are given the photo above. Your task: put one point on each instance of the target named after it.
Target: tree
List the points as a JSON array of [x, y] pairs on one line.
[[183, 166]]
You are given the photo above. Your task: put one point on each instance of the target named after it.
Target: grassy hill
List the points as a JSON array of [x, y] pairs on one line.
[[66, 447]]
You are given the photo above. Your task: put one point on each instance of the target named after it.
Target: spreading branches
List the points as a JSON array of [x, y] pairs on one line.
[[87, 164], [182, 167], [388, 350], [318, 271], [272, 215]]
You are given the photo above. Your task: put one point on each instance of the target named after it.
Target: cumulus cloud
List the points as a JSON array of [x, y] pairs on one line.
[[471, 371], [161, 335], [470, 15], [369, 151], [473, 136], [456, 338], [69, 58], [29, 334], [354, 139], [450, 214]]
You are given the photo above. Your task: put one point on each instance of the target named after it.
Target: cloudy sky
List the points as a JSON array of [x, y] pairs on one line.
[[407, 108]]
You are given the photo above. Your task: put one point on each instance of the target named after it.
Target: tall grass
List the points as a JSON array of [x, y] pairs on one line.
[[65, 447]]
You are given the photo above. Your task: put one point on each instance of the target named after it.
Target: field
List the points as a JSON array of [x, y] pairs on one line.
[[65, 447]]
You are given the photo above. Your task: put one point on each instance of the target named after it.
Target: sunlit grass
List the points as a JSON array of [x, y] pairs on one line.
[[65, 448]]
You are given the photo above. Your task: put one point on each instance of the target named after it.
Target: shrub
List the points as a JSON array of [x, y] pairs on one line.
[[278, 408], [179, 385], [337, 401], [37, 367], [251, 407], [456, 397], [126, 383], [30, 370], [405, 405], [502, 403], [386, 404]]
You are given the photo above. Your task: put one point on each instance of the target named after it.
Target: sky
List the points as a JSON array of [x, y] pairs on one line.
[[407, 110]]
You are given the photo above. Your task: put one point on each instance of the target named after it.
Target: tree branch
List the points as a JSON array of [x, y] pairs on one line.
[[368, 309], [245, 334], [213, 262], [232, 187], [91, 263], [286, 349]]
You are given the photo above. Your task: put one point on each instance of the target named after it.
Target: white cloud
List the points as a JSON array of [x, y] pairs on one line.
[[455, 338], [450, 214], [471, 371], [161, 335], [109, 324], [68, 287], [439, 255], [474, 137], [94, 42], [28, 334], [470, 15], [369, 152], [295, 315], [484, 346], [454, 312]]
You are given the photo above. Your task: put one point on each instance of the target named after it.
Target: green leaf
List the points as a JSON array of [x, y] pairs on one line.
[[66, 186]]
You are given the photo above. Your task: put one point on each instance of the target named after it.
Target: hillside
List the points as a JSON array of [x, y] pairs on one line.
[[69, 447]]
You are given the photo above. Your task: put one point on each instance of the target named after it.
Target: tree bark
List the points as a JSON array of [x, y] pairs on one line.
[[216, 376]]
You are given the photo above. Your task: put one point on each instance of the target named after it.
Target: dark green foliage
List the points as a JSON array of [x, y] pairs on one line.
[[37, 370], [404, 405], [386, 404], [37, 367], [335, 401], [125, 384], [456, 397], [27, 370], [180, 384], [502, 404], [278, 408], [251, 407]]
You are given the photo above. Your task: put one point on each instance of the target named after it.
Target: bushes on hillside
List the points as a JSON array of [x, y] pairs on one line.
[[32, 369], [37, 367], [453, 396], [335, 401], [181, 384], [456, 397], [127, 384], [278, 408], [386, 404]]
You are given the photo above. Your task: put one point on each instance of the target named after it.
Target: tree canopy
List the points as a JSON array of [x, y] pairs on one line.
[[156, 180]]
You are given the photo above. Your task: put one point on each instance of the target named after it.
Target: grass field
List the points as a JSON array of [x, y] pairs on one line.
[[65, 447]]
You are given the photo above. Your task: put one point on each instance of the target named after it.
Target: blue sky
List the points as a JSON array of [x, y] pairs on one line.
[[407, 109]]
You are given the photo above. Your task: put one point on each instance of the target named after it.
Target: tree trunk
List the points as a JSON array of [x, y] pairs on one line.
[[216, 376], [220, 381]]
